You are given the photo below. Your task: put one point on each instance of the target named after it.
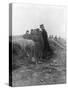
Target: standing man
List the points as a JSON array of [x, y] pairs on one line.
[[27, 32], [46, 47]]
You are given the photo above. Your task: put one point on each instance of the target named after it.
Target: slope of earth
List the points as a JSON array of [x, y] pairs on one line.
[[52, 72]]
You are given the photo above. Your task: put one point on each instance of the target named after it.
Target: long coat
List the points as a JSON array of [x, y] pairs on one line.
[[45, 38]]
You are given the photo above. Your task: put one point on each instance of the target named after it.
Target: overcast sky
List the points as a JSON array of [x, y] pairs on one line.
[[28, 16]]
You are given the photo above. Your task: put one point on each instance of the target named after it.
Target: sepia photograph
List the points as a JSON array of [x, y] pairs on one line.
[[37, 44]]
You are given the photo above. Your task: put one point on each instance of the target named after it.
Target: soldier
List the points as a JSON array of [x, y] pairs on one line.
[[27, 32], [31, 31], [55, 37], [46, 47]]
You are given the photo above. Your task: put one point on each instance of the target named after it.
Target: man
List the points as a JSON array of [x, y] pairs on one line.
[[32, 31], [46, 47], [27, 32]]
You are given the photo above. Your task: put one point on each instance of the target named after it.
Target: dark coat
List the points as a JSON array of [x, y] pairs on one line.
[[45, 38]]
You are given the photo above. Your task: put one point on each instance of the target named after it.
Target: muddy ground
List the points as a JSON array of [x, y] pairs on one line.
[[43, 73]]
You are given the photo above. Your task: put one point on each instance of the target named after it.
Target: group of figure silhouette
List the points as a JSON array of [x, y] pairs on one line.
[[40, 36]]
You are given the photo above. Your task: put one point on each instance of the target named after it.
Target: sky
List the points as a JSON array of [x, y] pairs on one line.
[[30, 16]]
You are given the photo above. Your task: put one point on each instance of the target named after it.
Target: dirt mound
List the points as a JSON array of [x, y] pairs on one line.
[[20, 56]]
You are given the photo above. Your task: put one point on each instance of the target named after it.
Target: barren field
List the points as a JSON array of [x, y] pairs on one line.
[[43, 73]]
